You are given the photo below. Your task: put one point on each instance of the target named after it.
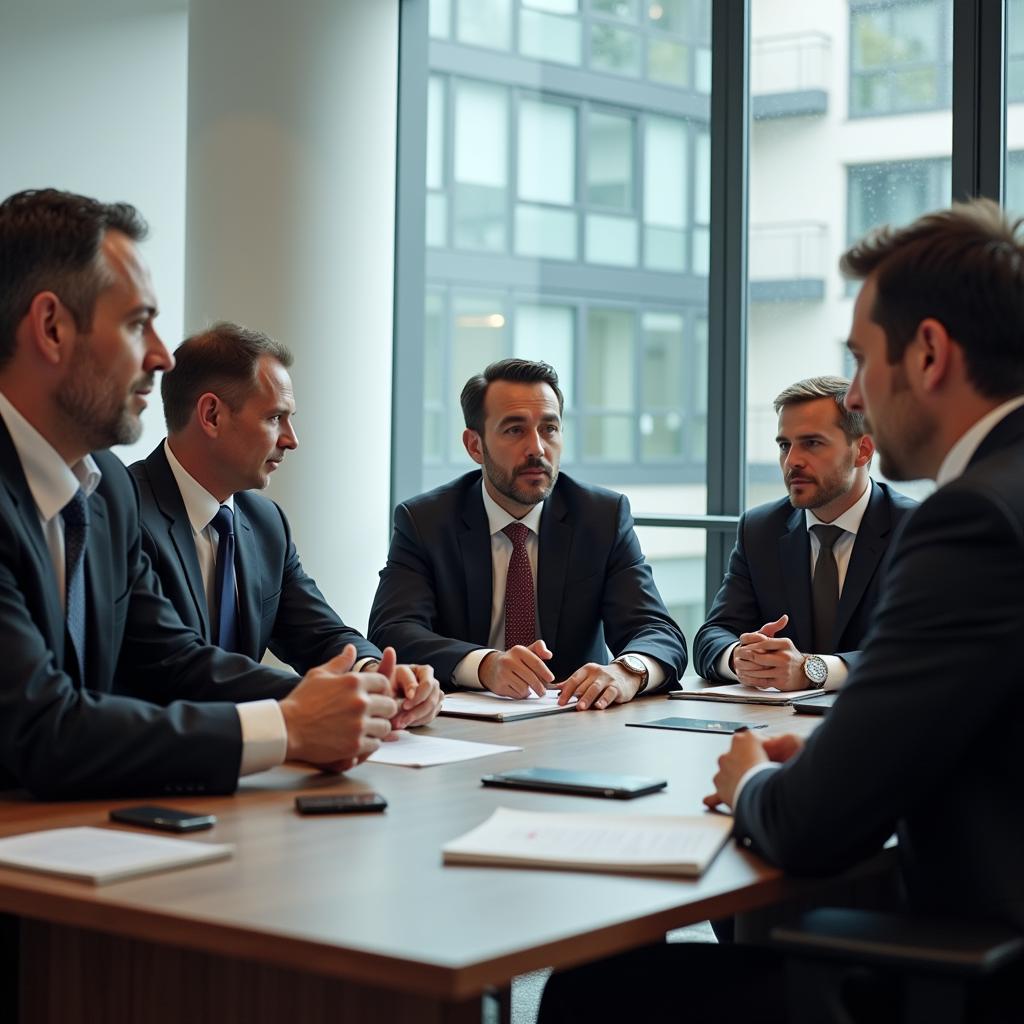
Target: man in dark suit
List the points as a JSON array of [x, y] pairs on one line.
[[518, 578], [229, 405], [78, 600], [921, 739], [815, 611]]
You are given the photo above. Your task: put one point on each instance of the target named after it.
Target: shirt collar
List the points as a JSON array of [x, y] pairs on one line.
[[200, 505], [957, 458], [50, 479], [498, 518], [850, 520]]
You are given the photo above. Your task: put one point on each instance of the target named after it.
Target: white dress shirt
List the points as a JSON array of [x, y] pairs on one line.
[[467, 671], [849, 522], [953, 466]]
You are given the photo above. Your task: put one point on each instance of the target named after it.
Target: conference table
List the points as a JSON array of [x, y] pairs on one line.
[[354, 917]]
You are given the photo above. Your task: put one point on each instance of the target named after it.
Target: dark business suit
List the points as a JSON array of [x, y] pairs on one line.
[[173, 727], [769, 574], [433, 603], [279, 606]]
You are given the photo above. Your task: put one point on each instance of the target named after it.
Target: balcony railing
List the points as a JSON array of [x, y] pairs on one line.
[[788, 261], [790, 75]]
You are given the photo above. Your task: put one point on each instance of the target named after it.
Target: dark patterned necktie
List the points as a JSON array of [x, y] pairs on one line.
[[225, 633], [76, 528], [520, 608], [825, 588]]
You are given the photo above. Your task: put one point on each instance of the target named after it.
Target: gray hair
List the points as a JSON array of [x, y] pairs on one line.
[[813, 388]]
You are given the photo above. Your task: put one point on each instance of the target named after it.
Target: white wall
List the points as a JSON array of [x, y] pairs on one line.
[[93, 101]]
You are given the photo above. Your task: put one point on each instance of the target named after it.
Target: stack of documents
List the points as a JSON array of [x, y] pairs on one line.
[[738, 693], [490, 706], [647, 845], [101, 855]]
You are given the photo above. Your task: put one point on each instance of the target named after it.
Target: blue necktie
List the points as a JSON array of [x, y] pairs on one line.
[[76, 526], [225, 633]]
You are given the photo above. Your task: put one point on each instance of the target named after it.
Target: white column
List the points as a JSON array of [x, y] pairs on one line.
[[290, 229]]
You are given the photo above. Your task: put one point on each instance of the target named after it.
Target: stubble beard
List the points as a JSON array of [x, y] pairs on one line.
[[101, 417], [505, 483]]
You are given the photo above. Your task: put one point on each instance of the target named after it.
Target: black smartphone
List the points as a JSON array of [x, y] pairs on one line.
[[164, 818], [559, 780], [815, 705], [340, 803], [697, 725]]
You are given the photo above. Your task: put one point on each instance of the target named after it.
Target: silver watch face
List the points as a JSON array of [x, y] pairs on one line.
[[816, 670], [632, 664]]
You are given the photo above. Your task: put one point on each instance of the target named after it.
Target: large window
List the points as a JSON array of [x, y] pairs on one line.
[[900, 56]]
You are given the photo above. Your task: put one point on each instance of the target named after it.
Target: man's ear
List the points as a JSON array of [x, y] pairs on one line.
[[932, 354], [210, 413], [50, 328], [865, 450], [474, 445]]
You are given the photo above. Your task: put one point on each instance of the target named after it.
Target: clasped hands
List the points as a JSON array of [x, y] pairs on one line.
[[336, 718], [764, 659], [517, 671]]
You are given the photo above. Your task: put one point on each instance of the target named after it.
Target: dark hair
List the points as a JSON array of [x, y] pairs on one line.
[[963, 267], [813, 388], [50, 241], [221, 359], [518, 371]]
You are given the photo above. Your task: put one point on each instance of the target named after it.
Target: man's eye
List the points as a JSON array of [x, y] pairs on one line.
[[783, 446]]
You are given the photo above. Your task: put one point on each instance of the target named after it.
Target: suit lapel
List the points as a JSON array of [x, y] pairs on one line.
[[868, 549], [475, 548], [250, 585], [795, 564], [553, 548], [168, 499]]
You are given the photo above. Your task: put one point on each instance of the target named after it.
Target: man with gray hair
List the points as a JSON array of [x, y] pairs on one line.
[[804, 574]]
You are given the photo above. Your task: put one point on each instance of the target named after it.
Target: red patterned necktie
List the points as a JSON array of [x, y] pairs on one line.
[[520, 613]]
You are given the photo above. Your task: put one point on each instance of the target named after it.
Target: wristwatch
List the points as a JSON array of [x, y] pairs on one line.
[[816, 670], [634, 666]]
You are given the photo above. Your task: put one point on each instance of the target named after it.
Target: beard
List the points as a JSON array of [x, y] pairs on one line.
[[827, 489], [506, 482], [905, 433], [96, 405]]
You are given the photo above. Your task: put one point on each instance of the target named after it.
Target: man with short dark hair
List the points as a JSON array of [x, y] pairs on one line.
[[519, 578], [920, 740], [786, 616], [78, 600], [229, 405]]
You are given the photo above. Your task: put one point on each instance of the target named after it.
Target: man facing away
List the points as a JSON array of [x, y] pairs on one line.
[[518, 578], [815, 610], [921, 739], [78, 600], [229, 405]]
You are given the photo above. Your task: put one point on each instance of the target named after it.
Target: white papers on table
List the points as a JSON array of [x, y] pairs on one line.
[[738, 693], [102, 855], [593, 842], [492, 706], [415, 751]]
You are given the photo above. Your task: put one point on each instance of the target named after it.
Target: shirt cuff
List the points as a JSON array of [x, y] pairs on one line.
[[467, 672], [761, 766], [722, 668], [264, 736], [838, 670], [655, 673]]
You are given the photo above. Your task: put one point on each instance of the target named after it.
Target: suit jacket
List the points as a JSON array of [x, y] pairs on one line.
[[923, 737], [279, 606], [769, 574], [171, 726], [594, 588]]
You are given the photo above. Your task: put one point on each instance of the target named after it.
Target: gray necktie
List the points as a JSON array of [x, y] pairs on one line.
[[76, 526], [825, 588]]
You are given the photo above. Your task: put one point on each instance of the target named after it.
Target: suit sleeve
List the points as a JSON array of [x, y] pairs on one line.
[[634, 615], [405, 606], [735, 610], [307, 631], [927, 700]]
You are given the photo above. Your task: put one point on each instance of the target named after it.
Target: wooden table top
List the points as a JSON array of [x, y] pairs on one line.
[[366, 897]]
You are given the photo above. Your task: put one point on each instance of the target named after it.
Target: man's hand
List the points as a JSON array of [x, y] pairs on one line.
[[335, 717], [517, 671], [598, 686], [422, 693], [746, 751], [765, 660]]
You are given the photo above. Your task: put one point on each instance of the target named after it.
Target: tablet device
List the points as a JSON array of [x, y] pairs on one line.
[[560, 780], [697, 725]]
